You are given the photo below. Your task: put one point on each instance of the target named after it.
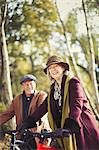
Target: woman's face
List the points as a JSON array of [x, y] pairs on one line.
[[56, 71]]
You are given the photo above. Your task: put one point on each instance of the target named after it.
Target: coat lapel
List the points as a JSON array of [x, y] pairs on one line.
[[20, 107], [32, 105]]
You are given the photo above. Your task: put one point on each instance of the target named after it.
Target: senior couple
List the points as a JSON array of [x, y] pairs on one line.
[[66, 104]]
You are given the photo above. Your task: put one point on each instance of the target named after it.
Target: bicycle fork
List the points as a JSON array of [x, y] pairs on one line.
[[13, 143]]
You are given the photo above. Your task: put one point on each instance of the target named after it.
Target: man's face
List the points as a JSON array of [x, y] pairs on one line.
[[28, 87]]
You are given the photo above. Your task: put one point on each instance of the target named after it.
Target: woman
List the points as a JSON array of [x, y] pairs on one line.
[[67, 108]]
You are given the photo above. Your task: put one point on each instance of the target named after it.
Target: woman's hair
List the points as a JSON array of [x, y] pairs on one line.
[[49, 76]]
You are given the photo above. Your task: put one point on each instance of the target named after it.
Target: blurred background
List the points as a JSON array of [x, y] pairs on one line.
[[32, 30]]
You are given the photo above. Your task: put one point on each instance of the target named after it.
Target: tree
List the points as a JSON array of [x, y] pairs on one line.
[[92, 57], [28, 31], [6, 91], [70, 28]]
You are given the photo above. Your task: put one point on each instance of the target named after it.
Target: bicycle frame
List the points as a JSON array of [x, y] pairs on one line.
[[13, 145]]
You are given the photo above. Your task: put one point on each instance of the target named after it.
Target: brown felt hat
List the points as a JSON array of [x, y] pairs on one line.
[[56, 60]]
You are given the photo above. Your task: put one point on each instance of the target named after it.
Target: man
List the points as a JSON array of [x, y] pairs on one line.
[[25, 103]]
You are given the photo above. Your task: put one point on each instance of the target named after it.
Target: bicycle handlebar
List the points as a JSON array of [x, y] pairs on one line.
[[59, 133], [44, 134]]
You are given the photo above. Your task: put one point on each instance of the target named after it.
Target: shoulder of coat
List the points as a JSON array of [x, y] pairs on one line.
[[74, 80], [18, 97], [41, 93]]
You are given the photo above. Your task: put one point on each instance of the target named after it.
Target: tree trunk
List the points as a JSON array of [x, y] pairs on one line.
[[1, 60], [6, 83], [92, 57]]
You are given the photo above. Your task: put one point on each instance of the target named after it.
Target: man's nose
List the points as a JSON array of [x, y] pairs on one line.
[[29, 85]]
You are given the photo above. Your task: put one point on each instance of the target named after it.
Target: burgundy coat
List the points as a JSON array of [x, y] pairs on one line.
[[15, 109], [87, 138]]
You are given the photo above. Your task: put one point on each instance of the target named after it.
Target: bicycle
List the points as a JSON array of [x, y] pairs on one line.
[[14, 144], [45, 134]]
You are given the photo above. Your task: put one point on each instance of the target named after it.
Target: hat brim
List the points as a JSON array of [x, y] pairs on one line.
[[64, 65]]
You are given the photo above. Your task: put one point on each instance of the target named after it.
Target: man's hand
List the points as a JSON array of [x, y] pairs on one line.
[[26, 124]]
